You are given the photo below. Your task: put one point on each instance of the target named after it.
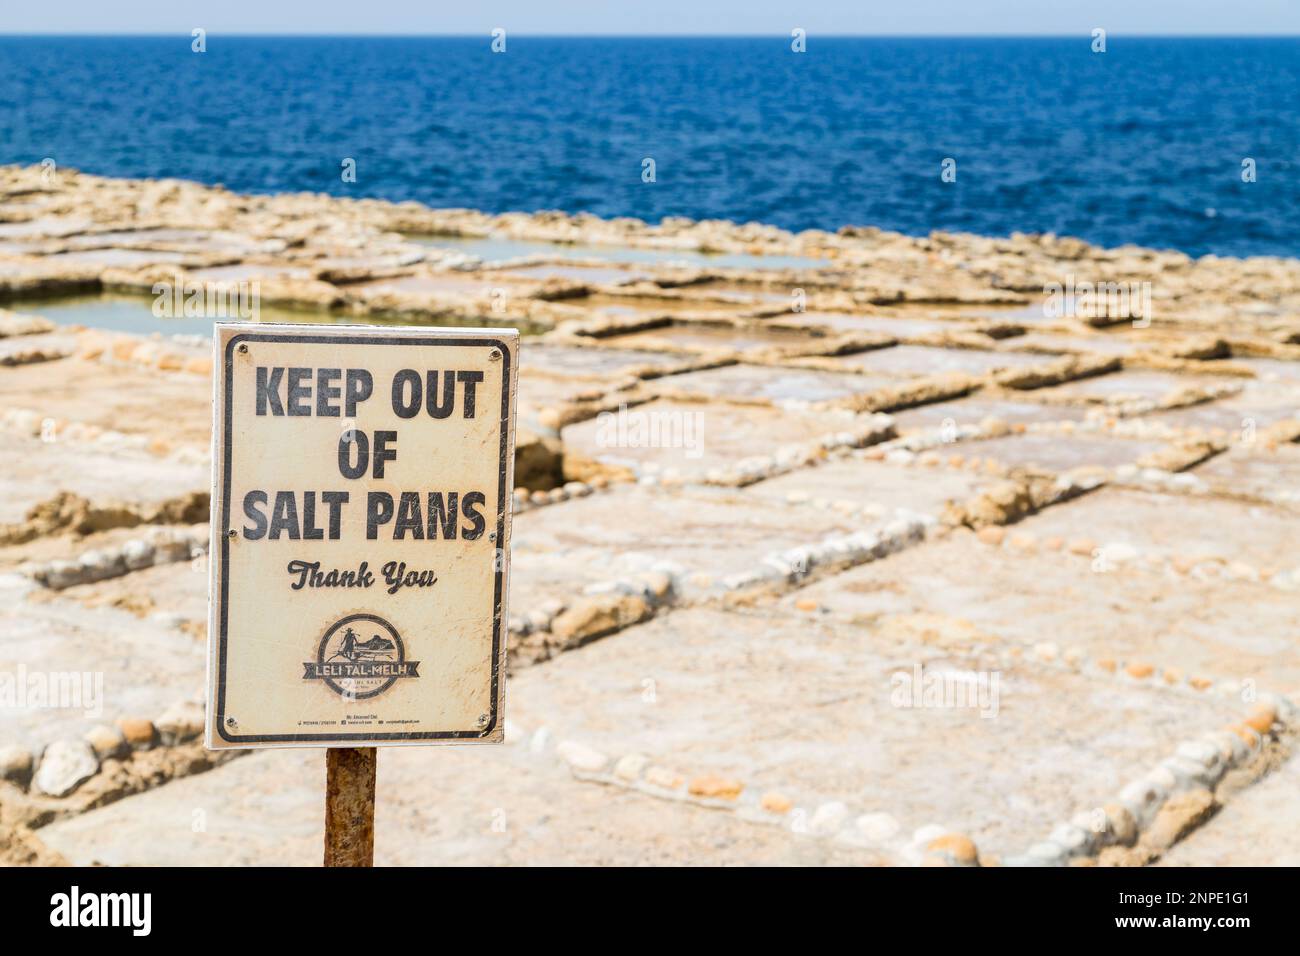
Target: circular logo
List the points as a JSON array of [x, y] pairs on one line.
[[359, 657]]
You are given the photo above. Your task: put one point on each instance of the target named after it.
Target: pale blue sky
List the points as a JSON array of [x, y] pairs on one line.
[[716, 17]]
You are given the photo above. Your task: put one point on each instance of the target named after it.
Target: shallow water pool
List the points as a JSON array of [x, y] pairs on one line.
[[116, 312], [500, 250]]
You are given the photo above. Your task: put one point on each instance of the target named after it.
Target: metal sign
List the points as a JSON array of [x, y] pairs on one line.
[[362, 482]]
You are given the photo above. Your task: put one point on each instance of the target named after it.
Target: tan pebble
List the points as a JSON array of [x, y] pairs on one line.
[[1084, 546], [806, 604], [992, 534], [122, 349], [1248, 737], [1024, 542], [629, 766], [1241, 570], [106, 741], [1121, 823], [1107, 664], [714, 787], [1019, 428], [170, 362], [199, 366], [1172, 675], [1261, 719], [1200, 683], [138, 731], [957, 846], [1139, 670], [663, 777], [955, 461], [776, 803], [1054, 543]]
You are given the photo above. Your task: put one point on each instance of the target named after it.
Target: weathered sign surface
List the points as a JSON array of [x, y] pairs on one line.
[[361, 529]]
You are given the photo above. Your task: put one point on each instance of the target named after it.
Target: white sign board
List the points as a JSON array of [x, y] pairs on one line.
[[362, 483]]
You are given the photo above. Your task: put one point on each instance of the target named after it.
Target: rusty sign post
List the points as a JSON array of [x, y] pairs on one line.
[[362, 482], [350, 806]]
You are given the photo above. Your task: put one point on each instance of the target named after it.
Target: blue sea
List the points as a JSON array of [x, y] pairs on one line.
[[1141, 144]]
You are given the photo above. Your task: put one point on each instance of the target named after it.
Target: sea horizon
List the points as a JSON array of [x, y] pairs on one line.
[[985, 134]]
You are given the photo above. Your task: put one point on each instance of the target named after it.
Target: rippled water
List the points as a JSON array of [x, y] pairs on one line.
[[1142, 144]]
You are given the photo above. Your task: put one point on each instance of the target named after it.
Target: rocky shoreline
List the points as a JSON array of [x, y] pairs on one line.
[[729, 435]]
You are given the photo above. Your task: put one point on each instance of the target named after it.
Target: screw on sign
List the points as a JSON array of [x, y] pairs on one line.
[[360, 542]]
